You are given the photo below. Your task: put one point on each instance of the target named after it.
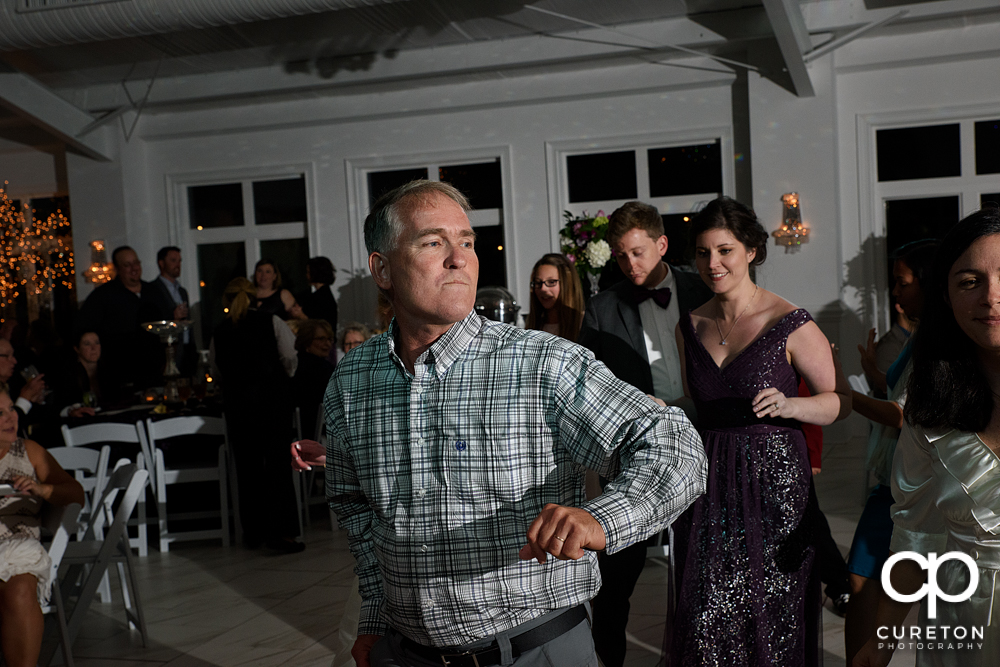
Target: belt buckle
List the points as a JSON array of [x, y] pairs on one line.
[[468, 654]]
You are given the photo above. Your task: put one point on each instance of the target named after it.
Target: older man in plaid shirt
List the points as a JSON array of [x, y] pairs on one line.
[[457, 455]]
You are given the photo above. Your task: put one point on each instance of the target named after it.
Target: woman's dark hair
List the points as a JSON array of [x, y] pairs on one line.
[[570, 304], [735, 218], [947, 387], [321, 270], [918, 257]]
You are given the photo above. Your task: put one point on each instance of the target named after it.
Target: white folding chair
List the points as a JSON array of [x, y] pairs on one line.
[[80, 461], [163, 477], [131, 434], [98, 552], [60, 522]]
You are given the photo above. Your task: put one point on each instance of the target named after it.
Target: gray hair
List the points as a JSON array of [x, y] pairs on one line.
[[384, 224]]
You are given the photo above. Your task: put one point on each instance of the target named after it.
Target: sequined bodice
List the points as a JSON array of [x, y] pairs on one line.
[[723, 395], [18, 514]]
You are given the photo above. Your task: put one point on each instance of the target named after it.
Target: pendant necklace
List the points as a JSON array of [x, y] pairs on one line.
[[719, 326]]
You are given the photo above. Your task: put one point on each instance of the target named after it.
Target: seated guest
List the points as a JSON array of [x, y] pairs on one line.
[[272, 299], [24, 563], [314, 342], [352, 335], [28, 394], [85, 384], [320, 303], [556, 297]]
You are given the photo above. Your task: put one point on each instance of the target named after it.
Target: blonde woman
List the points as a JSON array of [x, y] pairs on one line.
[[254, 353]]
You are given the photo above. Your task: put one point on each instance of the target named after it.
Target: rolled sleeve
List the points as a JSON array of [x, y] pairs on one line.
[[918, 523], [654, 455]]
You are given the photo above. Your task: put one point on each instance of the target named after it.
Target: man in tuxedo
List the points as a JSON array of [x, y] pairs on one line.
[[630, 327], [171, 302]]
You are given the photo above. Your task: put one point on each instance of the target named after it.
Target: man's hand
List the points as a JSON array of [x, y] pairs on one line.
[[362, 648], [306, 454], [181, 311], [34, 390], [563, 532]]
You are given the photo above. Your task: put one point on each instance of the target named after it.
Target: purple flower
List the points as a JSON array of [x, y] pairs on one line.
[[577, 226], [571, 258], [581, 242]]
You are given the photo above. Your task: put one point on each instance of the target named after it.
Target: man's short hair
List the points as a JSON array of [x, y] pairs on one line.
[[116, 251], [384, 224], [162, 253], [634, 215]]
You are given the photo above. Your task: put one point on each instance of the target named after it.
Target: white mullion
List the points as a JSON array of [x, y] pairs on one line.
[[433, 172], [642, 172], [967, 141], [251, 245]]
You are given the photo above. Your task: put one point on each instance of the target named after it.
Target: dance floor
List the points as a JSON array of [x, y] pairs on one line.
[[208, 606]]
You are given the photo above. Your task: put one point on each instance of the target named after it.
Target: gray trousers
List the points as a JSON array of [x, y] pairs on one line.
[[574, 648]]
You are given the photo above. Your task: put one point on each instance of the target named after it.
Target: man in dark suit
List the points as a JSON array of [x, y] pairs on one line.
[[630, 327], [171, 302]]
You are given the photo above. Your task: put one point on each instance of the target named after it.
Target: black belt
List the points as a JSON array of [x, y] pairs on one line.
[[490, 655]]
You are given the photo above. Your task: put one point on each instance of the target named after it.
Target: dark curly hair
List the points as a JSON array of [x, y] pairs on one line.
[[947, 387], [735, 218]]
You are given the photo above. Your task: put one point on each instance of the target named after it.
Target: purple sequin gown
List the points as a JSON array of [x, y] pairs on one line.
[[748, 593]]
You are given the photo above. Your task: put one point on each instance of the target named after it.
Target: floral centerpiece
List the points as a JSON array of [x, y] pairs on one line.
[[582, 241]]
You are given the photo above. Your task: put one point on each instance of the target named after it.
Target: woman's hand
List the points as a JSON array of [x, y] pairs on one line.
[[82, 411], [772, 403], [869, 362], [31, 487]]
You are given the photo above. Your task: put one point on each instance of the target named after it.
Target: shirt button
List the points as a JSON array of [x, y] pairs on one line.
[[421, 442], [417, 390], [975, 554], [421, 493], [424, 547]]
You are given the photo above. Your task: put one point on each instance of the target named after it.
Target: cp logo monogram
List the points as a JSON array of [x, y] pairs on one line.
[[931, 590]]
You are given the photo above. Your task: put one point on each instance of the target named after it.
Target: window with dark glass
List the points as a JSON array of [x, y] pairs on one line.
[[988, 147], [380, 182], [909, 220], [280, 201], [932, 151], [215, 205], [685, 170], [676, 227], [491, 251], [601, 176], [218, 263], [43, 207], [480, 182]]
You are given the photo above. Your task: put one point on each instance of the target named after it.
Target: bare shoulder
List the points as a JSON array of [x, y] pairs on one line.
[[36, 453]]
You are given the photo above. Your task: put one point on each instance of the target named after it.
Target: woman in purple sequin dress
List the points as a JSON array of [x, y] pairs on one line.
[[748, 590]]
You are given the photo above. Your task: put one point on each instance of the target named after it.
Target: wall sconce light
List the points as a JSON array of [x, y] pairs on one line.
[[792, 233], [100, 270]]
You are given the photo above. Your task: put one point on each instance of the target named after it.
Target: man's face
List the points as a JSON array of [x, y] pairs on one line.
[[129, 269], [640, 257], [7, 360], [170, 266], [432, 272]]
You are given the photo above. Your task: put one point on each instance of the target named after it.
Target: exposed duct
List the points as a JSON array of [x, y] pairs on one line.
[[29, 24]]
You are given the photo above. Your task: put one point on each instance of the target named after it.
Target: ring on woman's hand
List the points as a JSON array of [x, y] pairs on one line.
[[561, 539]]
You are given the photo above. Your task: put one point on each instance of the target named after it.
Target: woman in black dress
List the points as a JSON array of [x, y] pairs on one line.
[[255, 357]]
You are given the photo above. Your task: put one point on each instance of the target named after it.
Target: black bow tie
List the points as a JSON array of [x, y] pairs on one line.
[[661, 296]]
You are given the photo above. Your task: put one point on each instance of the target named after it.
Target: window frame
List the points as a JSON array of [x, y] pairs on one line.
[[556, 153], [358, 168], [872, 193]]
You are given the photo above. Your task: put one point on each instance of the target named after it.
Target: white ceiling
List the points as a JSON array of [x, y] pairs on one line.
[[399, 43]]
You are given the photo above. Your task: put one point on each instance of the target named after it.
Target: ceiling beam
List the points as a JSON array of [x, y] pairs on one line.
[[793, 40], [38, 105]]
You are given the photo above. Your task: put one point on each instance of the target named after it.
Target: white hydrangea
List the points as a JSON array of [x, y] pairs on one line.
[[597, 253]]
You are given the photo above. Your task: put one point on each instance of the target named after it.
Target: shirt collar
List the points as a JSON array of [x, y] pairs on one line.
[[668, 280], [445, 350]]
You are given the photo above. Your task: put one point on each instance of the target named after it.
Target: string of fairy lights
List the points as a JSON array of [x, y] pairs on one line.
[[36, 256]]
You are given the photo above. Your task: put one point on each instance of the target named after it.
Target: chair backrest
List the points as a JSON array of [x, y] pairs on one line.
[[100, 433], [175, 426], [80, 460], [61, 522], [129, 479]]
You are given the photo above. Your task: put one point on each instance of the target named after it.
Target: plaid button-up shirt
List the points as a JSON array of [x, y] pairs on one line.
[[437, 475]]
